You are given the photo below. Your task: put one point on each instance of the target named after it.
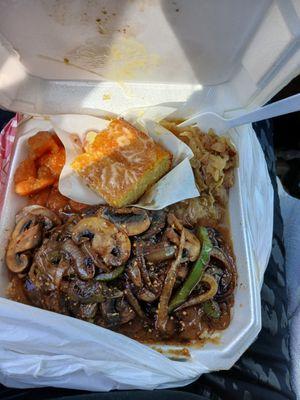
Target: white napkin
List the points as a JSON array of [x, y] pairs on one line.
[[177, 185]]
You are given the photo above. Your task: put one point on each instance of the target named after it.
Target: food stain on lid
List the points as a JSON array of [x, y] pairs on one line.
[[144, 4], [105, 22], [128, 59], [91, 55], [101, 26], [67, 61], [106, 96]]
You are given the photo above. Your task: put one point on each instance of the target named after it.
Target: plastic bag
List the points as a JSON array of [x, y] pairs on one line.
[[41, 348]]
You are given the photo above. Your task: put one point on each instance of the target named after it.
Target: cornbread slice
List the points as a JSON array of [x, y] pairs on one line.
[[121, 163]]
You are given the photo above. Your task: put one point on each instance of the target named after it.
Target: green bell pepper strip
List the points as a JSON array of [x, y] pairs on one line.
[[212, 309], [110, 276], [195, 275]]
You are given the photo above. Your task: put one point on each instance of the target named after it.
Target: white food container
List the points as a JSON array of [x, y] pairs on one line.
[[100, 57]]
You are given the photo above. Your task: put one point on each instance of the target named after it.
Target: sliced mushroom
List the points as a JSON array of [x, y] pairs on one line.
[[158, 222], [87, 312], [49, 301], [215, 237], [29, 239], [22, 241], [141, 263], [91, 211], [114, 248], [84, 266], [125, 311], [94, 256], [191, 245], [48, 217], [132, 220], [15, 260], [62, 232], [109, 313], [48, 266], [84, 292], [87, 292], [133, 302], [227, 281], [116, 312], [171, 235], [159, 252], [134, 273], [32, 292], [146, 295], [110, 242]]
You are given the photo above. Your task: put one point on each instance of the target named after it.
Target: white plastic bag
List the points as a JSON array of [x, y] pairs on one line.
[[41, 348]]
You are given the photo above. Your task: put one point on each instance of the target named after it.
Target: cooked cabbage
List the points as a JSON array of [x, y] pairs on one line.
[[213, 164]]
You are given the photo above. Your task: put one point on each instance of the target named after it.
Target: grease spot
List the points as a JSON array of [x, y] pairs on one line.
[[90, 55], [106, 96], [129, 59]]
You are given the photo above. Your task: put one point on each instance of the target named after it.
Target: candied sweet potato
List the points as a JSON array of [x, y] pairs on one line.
[[44, 172], [54, 161], [33, 185], [42, 143], [25, 170], [42, 168]]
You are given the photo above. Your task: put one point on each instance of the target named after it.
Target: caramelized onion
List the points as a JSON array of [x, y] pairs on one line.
[[162, 310], [213, 288]]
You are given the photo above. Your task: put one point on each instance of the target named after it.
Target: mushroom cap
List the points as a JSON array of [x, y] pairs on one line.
[[27, 235], [132, 220], [17, 261], [48, 217], [110, 242]]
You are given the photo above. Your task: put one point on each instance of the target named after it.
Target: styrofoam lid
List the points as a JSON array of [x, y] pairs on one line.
[[146, 51]]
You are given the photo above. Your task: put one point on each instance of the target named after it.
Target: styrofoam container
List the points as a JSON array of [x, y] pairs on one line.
[[102, 57]]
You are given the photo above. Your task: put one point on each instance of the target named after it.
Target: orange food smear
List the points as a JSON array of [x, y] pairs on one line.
[[77, 207], [56, 201], [41, 197]]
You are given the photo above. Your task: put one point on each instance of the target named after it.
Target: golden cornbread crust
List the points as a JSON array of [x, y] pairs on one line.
[[121, 163]]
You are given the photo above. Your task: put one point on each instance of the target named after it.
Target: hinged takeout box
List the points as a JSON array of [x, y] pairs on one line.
[[103, 58]]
